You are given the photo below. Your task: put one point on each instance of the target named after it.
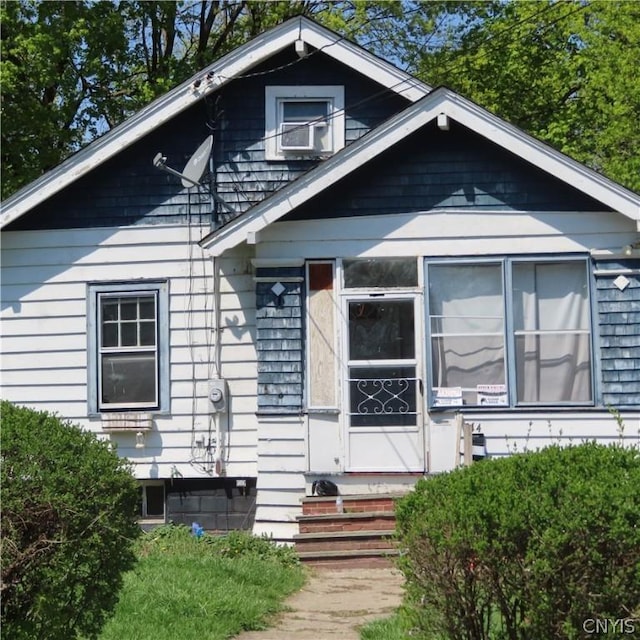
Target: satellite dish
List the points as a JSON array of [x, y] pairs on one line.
[[194, 169]]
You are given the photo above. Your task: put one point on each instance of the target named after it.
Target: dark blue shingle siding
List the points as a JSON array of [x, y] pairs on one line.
[[434, 170], [128, 190], [619, 322], [280, 341]]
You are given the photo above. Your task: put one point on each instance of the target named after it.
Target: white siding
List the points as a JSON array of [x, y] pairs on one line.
[[446, 233], [281, 463], [281, 481], [44, 325]]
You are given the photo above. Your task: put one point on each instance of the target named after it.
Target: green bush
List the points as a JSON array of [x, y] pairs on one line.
[[526, 547], [233, 544], [69, 521]]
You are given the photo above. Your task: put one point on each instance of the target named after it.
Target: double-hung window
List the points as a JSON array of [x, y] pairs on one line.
[[303, 121], [512, 332], [128, 346]]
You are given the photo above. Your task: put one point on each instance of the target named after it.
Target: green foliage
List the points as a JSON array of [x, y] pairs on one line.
[[525, 547], [395, 627], [69, 521], [188, 588], [73, 70], [57, 63], [233, 544], [562, 71]]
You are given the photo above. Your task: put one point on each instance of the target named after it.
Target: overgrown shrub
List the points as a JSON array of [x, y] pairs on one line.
[[526, 547], [233, 544], [69, 520]]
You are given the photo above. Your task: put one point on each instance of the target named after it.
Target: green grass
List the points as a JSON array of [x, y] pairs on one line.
[[396, 627], [214, 588]]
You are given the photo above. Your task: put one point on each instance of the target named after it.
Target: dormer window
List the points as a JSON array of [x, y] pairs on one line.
[[303, 122]]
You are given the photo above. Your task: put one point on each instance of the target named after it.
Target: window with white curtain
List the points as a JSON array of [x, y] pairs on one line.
[[551, 328], [509, 332]]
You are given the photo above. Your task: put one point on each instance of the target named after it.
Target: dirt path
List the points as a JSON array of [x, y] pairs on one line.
[[334, 604]]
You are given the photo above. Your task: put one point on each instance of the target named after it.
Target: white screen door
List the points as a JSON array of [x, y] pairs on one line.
[[382, 386]]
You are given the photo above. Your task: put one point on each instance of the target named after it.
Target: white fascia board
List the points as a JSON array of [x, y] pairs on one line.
[[365, 62], [543, 156], [396, 129], [147, 119], [230, 66], [324, 175]]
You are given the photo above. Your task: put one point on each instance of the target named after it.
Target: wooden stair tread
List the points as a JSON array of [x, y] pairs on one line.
[[346, 516], [356, 496], [346, 553], [329, 535]]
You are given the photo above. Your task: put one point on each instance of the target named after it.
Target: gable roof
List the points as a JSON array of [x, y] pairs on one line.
[[206, 81], [397, 128]]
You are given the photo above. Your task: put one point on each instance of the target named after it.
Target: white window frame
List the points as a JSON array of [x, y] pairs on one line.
[[507, 265], [95, 293], [276, 95]]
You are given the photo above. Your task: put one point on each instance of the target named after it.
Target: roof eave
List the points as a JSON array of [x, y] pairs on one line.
[[183, 96], [459, 109]]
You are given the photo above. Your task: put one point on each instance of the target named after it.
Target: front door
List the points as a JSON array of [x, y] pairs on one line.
[[382, 386]]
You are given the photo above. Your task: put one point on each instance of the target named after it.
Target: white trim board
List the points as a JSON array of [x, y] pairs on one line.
[[219, 73], [396, 129]]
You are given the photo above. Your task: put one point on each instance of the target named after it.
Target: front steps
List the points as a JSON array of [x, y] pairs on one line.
[[360, 536]]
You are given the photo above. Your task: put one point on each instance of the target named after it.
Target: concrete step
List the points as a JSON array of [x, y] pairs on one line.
[[345, 540]]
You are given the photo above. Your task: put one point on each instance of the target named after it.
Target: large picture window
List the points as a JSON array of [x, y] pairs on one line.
[[127, 347], [513, 332]]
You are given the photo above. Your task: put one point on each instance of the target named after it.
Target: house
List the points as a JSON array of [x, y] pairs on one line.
[[348, 262]]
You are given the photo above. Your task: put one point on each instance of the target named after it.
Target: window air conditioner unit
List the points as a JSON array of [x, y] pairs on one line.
[[297, 136]]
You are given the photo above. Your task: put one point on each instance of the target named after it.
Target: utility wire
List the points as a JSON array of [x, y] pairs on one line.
[[495, 41], [398, 86]]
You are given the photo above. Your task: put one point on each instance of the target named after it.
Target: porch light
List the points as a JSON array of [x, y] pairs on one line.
[[140, 440]]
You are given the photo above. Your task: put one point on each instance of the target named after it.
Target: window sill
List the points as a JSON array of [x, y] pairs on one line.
[[523, 409], [298, 157], [148, 524]]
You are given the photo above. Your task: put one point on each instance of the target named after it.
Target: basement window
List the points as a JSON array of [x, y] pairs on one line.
[[151, 501]]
